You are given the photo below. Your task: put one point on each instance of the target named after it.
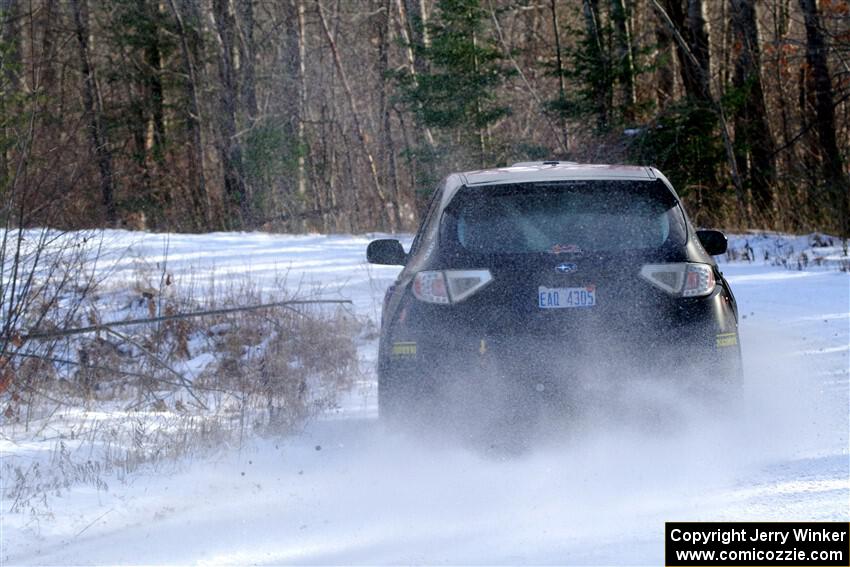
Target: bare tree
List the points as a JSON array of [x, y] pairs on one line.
[[10, 11], [94, 109], [816, 58], [188, 30], [248, 54], [664, 66], [754, 142], [355, 116], [50, 14], [293, 88], [593, 30], [390, 173], [204, 111], [11, 37], [559, 70], [230, 150], [698, 70], [625, 59], [693, 53]]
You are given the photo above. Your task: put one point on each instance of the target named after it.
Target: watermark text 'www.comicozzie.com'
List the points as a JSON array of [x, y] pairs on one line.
[[824, 544]]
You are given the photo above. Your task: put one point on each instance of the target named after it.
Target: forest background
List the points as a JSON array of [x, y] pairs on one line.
[[343, 115]]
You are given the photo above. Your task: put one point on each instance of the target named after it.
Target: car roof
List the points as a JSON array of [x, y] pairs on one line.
[[530, 172], [551, 171]]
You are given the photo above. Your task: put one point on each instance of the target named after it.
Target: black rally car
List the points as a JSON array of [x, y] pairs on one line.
[[542, 275]]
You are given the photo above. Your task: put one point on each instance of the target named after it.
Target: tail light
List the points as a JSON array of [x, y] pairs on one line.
[[681, 280], [449, 286]]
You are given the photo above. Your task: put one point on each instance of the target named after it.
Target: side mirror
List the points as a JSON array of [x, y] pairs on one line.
[[386, 251], [713, 241]]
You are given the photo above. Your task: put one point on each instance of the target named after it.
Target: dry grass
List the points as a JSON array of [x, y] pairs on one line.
[[100, 406]]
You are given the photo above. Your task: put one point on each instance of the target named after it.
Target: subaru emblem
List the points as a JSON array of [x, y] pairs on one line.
[[566, 268]]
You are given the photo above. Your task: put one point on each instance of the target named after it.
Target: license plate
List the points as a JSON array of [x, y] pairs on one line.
[[562, 297]]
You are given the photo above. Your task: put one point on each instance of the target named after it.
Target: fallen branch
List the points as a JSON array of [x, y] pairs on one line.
[[188, 386], [93, 522], [109, 369], [38, 335]]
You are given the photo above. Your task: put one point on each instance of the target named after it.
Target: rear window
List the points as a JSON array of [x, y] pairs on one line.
[[587, 216]]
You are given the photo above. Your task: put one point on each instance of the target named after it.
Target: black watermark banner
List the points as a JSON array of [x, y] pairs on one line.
[[815, 544]]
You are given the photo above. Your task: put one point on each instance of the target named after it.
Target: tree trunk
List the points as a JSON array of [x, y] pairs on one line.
[[559, 69], [152, 75], [48, 46], [11, 64], [590, 9], [390, 173], [10, 11], [361, 136], [247, 59], [480, 141], [413, 34], [417, 29], [703, 94], [188, 25], [94, 110], [293, 87], [664, 67], [230, 150], [833, 168], [302, 95], [753, 139], [625, 60], [693, 69], [698, 38]]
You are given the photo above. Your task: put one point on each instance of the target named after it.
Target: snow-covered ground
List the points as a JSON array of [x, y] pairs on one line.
[[346, 491]]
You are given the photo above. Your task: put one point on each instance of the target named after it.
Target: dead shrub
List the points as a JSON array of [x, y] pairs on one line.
[[151, 393]]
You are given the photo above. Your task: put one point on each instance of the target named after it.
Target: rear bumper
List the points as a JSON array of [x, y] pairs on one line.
[[438, 352], [529, 357], [463, 364], [459, 389]]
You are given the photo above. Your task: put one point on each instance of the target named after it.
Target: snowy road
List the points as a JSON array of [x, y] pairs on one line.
[[346, 491]]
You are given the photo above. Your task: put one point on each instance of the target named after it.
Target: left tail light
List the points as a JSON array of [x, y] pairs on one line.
[[449, 286]]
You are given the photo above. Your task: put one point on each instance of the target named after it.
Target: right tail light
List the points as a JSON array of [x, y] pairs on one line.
[[681, 279]]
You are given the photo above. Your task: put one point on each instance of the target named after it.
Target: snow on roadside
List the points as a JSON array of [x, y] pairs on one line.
[[797, 252], [346, 491]]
